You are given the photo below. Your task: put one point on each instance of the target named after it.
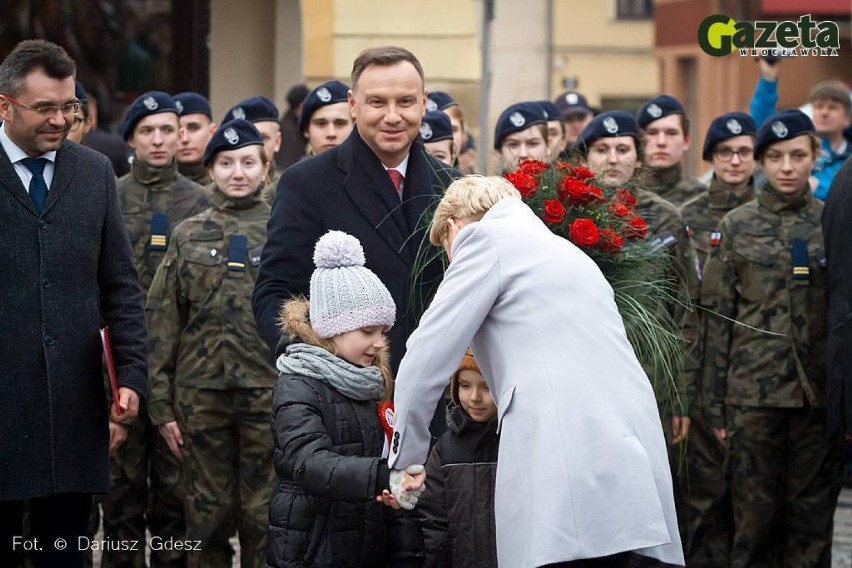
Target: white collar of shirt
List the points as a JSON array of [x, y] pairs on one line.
[[401, 168], [15, 154]]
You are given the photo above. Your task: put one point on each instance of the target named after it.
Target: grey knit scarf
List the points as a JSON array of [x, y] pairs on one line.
[[357, 383]]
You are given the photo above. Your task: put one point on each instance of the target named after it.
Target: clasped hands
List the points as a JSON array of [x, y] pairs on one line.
[[406, 487]]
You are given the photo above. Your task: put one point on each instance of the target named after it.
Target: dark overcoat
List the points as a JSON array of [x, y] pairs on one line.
[[348, 189], [64, 271], [837, 230]]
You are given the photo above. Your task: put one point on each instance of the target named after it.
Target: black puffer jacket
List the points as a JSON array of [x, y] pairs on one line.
[[457, 506], [327, 457]]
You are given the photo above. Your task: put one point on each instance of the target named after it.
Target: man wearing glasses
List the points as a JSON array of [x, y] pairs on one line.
[[67, 267], [729, 147]]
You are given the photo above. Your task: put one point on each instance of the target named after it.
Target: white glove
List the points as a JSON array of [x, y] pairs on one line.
[[398, 481]]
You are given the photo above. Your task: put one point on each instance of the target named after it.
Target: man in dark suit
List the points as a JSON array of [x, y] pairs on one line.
[[380, 185], [837, 230], [67, 266]]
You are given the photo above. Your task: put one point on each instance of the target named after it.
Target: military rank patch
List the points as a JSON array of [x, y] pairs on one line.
[[159, 232], [799, 253], [237, 252], [715, 238]]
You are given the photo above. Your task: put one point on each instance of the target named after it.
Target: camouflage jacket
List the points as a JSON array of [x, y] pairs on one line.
[[665, 227], [764, 286], [157, 198], [203, 333], [703, 213], [196, 172], [672, 185]]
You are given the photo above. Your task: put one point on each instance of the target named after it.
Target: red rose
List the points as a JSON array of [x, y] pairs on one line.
[[619, 209], [583, 232], [583, 173], [610, 241], [636, 228], [523, 182], [563, 166], [574, 190], [533, 167], [625, 197], [554, 212], [595, 193]]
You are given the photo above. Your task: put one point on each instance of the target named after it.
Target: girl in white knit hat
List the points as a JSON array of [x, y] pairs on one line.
[[326, 422]]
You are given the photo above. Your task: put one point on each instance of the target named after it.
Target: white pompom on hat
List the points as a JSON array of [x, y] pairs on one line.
[[345, 295]]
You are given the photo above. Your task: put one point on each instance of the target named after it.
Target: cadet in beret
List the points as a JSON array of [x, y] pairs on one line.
[[610, 146], [440, 100], [666, 131], [555, 128], [211, 380], [82, 121], [436, 132], [764, 288], [154, 198], [325, 120], [521, 134], [576, 114], [264, 115], [729, 147], [196, 129]]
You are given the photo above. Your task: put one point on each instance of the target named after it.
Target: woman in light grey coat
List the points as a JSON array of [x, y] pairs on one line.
[[582, 470]]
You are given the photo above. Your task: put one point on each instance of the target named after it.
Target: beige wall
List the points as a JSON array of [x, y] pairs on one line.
[[608, 57], [255, 49]]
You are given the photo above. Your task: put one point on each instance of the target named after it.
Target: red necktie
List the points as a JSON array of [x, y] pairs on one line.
[[396, 178]]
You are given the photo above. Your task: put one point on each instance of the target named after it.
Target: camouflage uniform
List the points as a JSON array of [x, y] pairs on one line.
[[666, 227], [145, 193], [765, 379], [672, 185], [196, 172], [210, 373], [708, 499]]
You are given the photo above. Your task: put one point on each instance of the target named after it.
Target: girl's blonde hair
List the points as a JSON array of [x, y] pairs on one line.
[[470, 198], [294, 320]]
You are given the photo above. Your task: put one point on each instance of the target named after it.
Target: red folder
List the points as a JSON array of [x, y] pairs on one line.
[[106, 347]]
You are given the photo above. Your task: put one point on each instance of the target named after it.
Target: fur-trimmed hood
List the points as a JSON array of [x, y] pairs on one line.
[[294, 320]]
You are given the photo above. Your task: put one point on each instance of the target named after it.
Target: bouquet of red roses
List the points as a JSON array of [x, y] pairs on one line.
[[603, 223]]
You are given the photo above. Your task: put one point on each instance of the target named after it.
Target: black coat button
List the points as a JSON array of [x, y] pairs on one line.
[[42, 224], [45, 282], [48, 340]]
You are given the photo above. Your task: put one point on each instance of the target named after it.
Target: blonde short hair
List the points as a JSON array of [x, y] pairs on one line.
[[468, 198]]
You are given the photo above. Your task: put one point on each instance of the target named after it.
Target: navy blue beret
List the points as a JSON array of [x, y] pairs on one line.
[[232, 135], [551, 110], [436, 126], [329, 93], [517, 117], [152, 102], [572, 102], [193, 103], [254, 109], [658, 107], [724, 127], [607, 125], [782, 126], [80, 92], [440, 100]]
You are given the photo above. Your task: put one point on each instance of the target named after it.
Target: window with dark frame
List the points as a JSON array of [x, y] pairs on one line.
[[634, 9]]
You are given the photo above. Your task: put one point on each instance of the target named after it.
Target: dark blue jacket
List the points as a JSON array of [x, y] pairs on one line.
[[63, 272], [348, 189]]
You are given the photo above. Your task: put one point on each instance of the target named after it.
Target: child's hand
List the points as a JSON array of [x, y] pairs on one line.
[[387, 499], [407, 486]]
